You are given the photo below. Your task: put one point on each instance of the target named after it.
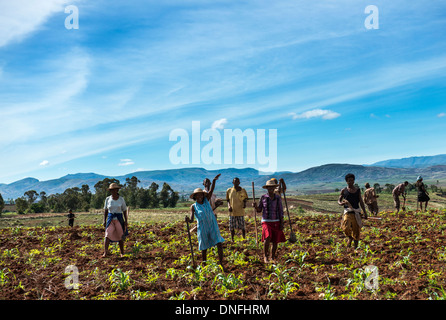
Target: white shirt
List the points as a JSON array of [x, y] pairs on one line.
[[115, 206]]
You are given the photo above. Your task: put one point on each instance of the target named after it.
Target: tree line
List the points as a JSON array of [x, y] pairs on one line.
[[82, 199]]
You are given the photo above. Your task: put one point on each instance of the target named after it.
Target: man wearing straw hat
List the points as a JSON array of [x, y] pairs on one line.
[[272, 220], [115, 219]]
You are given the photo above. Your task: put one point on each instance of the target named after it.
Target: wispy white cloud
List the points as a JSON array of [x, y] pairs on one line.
[[219, 124], [441, 115], [19, 18], [126, 162], [316, 113], [44, 163]]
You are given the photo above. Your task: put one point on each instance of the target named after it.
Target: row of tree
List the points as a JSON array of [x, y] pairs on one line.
[[83, 199]]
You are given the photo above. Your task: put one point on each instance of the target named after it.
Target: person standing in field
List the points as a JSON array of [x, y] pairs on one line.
[[70, 217], [351, 199], [270, 204], [115, 219], [370, 199], [208, 233], [236, 197], [215, 203], [423, 195], [397, 191]]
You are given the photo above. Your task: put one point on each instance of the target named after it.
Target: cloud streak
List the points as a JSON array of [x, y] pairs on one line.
[[316, 113]]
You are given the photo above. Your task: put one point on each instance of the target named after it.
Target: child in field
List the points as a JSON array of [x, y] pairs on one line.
[[272, 220], [70, 217], [236, 197], [351, 199], [208, 233]]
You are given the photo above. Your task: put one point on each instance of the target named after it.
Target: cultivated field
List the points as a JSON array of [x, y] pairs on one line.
[[408, 249]]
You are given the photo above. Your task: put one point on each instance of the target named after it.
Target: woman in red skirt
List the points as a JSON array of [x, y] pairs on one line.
[[272, 220]]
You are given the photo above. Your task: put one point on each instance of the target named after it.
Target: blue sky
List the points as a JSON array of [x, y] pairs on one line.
[[104, 98]]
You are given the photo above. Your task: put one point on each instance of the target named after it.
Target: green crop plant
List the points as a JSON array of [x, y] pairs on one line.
[[441, 253], [228, 284], [194, 276], [4, 278], [11, 253], [441, 295], [180, 296], [327, 293], [297, 257], [152, 277], [141, 295], [281, 283], [357, 282], [119, 279], [431, 276], [136, 248], [238, 259]]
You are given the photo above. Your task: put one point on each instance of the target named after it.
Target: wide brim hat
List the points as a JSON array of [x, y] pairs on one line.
[[270, 183], [196, 191], [114, 186]]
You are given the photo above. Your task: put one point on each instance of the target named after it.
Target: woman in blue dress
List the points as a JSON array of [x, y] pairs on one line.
[[208, 233]]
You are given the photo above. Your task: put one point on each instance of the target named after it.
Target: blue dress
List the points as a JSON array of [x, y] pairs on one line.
[[208, 233]]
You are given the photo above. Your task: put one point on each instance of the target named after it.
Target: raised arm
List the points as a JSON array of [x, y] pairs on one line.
[[211, 191]]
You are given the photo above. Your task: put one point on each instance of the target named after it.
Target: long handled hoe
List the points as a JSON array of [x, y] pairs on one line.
[[404, 203], [292, 234], [255, 211], [190, 242]]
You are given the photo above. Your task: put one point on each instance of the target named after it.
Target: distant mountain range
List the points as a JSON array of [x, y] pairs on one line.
[[413, 162], [319, 179]]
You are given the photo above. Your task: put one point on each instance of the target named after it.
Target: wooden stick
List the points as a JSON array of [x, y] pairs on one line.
[[255, 211], [292, 234], [190, 242]]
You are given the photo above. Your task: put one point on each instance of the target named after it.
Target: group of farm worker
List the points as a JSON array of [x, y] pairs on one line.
[[270, 205], [350, 198]]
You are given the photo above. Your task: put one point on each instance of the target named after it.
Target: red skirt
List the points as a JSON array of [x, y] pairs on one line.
[[272, 230]]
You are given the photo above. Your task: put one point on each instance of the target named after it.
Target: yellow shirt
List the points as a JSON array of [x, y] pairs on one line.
[[235, 199]]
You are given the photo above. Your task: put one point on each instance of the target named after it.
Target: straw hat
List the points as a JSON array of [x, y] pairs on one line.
[[197, 190], [114, 186], [270, 183]]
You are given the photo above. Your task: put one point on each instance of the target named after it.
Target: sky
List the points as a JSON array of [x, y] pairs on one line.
[[104, 96]]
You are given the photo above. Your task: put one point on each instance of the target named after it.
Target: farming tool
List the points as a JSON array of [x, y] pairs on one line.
[[190, 241], [255, 211], [350, 206], [293, 238], [404, 202]]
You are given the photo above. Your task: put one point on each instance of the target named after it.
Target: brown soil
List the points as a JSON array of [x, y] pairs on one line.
[[409, 251]]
